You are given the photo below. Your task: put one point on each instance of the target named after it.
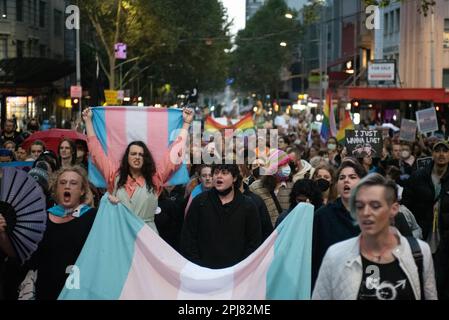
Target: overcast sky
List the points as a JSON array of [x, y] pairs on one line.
[[236, 10]]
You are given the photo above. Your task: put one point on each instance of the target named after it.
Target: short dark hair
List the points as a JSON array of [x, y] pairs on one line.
[[354, 164], [310, 189], [233, 169]]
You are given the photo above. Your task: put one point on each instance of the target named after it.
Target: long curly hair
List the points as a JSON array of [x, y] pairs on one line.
[[148, 167]]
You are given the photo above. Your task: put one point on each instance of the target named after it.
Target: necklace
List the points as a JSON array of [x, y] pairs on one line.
[[377, 257]]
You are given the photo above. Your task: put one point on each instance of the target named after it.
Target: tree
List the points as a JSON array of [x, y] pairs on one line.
[[259, 57]]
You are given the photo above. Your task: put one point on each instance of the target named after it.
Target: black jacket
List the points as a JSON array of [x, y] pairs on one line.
[[419, 198], [265, 220], [331, 224], [218, 236]]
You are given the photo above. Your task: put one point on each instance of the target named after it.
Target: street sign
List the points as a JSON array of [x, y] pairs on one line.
[[360, 143], [427, 120], [76, 92], [120, 51], [111, 97], [408, 130]]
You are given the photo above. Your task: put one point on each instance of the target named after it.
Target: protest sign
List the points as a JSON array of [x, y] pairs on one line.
[[422, 163], [427, 120], [408, 130], [360, 143]]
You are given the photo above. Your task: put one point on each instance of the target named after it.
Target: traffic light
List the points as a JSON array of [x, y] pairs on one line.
[[75, 103]]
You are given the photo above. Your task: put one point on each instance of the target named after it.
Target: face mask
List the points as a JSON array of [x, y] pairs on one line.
[[284, 173], [256, 172], [405, 154], [332, 146], [323, 184]]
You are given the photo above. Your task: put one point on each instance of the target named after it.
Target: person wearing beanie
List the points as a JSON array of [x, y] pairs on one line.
[[275, 184], [222, 226], [6, 155]]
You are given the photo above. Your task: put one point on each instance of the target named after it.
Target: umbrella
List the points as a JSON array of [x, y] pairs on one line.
[[53, 137], [23, 205]]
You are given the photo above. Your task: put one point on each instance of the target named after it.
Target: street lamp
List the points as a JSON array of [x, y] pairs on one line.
[[289, 16], [283, 44]]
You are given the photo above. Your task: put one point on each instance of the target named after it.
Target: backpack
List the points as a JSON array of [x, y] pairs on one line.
[[419, 259]]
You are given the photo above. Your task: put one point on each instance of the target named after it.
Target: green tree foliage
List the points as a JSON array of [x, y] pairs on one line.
[[177, 42], [259, 58]]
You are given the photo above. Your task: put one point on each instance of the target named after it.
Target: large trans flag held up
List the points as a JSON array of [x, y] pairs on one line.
[[116, 127], [124, 259]]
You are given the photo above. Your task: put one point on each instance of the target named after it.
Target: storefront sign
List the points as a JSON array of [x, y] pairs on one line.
[[111, 97], [381, 70]]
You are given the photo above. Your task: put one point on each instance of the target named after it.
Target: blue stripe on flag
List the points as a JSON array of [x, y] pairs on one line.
[[289, 275], [103, 270], [99, 124], [174, 122]]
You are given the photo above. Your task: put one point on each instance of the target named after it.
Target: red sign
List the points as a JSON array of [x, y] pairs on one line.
[[76, 92]]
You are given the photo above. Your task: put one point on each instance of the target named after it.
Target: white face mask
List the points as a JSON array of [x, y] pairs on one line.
[[332, 146], [405, 154]]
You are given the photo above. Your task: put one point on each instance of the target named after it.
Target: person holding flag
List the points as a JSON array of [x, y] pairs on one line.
[[136, 181]]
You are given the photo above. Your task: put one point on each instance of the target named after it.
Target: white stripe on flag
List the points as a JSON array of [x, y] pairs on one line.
[[196, 281], [136, 126]]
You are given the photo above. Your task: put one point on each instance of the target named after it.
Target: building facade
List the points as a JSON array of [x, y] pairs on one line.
[[252, 6], [35, 56], [424, 46]]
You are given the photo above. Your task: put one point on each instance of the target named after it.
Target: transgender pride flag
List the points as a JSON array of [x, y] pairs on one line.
[[116, 127], [124, 259]]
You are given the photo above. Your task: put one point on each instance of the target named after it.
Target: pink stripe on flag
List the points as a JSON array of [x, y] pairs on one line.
[[158, 133], [250, 276], [155, 269], [116, 134]]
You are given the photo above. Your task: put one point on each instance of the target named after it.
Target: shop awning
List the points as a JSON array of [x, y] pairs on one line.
[[440, 95], [33, 72]]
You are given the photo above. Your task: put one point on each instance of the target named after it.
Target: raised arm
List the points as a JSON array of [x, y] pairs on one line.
[[175, 155], [107, 167]]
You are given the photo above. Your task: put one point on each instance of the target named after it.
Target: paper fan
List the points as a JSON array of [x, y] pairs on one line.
[[22, 203]]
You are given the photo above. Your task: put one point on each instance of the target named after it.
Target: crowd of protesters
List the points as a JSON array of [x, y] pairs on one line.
[[367, 210]]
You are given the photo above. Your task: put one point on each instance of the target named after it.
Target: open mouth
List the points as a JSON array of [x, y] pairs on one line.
[[67, 196], [367, 223], [219, 183], [346, 188]]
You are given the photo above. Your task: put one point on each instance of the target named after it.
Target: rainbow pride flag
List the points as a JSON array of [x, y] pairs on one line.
[[124, 259], [328, 128], [346, 124], [116, 127], [243, 124]]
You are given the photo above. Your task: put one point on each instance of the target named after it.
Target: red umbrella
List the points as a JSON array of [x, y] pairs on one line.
[[53, 137]]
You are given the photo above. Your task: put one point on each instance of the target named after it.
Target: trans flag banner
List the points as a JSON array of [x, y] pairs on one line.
[[116, 127], [124, 259]]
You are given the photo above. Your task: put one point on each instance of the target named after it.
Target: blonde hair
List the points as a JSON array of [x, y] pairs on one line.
[[88, 197]]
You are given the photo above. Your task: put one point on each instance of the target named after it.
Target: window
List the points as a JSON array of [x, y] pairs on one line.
[[386, 17], [398, 20], [58, 23], [3, 48], [19, 10], [43, 51], [391, 24], [446, 34], [34, 12], [42, 14], [3, 9], [19, 49], [446, 78]]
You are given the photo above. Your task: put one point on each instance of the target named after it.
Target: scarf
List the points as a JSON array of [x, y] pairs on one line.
[[62, 212]]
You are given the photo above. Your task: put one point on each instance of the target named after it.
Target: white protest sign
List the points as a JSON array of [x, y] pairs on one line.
[[427, 120]]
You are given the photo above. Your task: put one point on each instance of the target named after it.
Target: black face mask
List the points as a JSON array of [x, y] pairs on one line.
[[256, 172], [225, 192], [323, 184]]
